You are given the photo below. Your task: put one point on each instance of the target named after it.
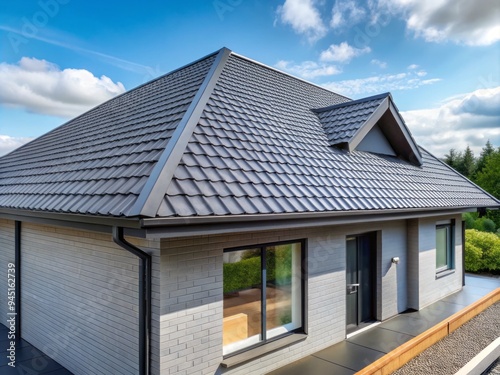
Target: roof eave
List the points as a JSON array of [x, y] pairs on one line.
[[91, 221], [177, 226]]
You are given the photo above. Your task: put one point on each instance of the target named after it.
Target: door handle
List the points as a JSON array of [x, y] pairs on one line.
[[352, 288]]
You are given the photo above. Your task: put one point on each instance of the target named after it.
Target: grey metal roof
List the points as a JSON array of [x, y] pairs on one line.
[[99, 162], [342, 121], [222, 136]]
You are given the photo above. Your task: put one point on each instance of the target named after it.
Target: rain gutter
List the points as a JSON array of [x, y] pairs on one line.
[[192, 226]]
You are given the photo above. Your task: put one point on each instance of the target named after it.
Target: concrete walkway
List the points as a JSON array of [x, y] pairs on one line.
[[357, 352]]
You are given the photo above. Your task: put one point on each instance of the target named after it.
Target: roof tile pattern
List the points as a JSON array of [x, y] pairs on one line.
[[259, 149], [98, 162], [342, 121]]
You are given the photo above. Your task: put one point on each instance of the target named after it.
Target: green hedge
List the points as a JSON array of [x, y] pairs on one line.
[[482, 251], [484, 224], [241, 275], [247, 272]]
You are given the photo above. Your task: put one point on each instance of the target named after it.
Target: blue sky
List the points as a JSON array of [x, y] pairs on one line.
[[440, 59]]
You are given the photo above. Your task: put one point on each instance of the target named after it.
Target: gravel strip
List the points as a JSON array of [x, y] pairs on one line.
[[454, 351]]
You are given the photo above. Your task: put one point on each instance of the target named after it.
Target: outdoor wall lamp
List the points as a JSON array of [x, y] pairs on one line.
[[395, 260]]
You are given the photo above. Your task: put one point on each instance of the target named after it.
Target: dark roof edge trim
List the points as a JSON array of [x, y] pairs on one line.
[[274, 218], [352, 102], [465, 178], [262, 225], [368, 124], [395, 112], [87, 222], [149, 200]]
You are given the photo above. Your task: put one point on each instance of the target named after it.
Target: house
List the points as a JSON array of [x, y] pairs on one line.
[[225, 218]]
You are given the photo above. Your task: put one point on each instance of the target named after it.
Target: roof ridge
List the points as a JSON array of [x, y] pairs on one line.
[[352, 102], [149, 200]]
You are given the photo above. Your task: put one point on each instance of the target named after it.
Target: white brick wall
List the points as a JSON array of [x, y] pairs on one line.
[[430, 288], [394, 276], [79, 299], [413, 268], [80, 293], [7, 255], [191, 294]]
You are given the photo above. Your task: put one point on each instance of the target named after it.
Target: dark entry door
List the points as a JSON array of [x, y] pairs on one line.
[[360, 278]]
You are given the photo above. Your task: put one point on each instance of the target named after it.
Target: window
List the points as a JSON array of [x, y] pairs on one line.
[[444, 247], [254, 314]]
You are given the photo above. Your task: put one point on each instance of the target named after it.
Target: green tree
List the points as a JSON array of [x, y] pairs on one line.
[[467, 164], [453, 158], [489, 177], [486, 152]]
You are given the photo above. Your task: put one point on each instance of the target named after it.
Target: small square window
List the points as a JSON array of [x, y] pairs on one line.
[[444, 247]]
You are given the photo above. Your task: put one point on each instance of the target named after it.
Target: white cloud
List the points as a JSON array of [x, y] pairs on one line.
[[8, 143], [380, 64], [469, 119], [342, 52], [307, 69], [42, 87], [346, 12], [304, 18], [461, 21], [377, 84]]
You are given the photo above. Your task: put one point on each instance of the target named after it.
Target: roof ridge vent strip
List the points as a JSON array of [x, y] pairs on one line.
[[150, 198]]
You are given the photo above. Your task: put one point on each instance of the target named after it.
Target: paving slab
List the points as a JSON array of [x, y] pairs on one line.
[[314, 365], [29, 360], [366, 347], [380, 339], [349, 355]]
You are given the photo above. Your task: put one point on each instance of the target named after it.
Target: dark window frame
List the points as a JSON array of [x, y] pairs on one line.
[[303, 285], [450, 247]]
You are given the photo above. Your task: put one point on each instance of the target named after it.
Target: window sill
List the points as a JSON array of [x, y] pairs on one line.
[[262, 350], [444, 273]]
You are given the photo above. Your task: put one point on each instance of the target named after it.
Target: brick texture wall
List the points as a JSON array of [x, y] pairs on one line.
[[191, 294]]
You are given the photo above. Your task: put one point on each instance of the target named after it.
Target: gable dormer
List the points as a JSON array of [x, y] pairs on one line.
[[371, 124]]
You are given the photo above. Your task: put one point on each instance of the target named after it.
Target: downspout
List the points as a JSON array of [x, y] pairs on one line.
[[17, 262], [144, 298]]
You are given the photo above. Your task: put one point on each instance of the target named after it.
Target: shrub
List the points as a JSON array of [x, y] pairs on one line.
[[473, 257], [241, 275], [488, 244], [485, 225], [246, 273], [469, 219]]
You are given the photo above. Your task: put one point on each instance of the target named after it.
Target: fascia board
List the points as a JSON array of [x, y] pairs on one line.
[[263, 225], [306, 216]]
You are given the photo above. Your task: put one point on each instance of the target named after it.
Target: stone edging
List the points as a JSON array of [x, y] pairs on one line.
[[478, 364]]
